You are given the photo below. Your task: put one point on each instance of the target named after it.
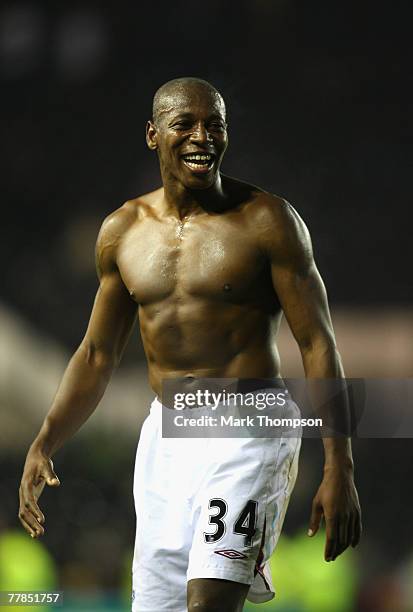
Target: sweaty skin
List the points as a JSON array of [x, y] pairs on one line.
[[205, 298], [207, 264]]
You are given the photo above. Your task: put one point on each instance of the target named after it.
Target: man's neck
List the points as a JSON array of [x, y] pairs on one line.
[[182, 202]]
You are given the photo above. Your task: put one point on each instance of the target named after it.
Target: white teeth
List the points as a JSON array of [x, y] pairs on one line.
[[196, 166], [198, 157]]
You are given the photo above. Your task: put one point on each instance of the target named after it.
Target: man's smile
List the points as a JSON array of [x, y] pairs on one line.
[[199, 163]]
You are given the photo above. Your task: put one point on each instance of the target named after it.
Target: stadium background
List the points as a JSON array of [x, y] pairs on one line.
[[319, 97]]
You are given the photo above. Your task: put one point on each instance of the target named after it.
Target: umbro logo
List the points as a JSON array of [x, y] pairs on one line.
[[231, 554]]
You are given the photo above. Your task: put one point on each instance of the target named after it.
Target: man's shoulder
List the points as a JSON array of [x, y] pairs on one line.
[[261, 206], [273, 221], [121, 220], [269, 206], [118, 223]]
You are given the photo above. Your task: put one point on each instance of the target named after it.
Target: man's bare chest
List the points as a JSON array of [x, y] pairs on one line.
[[211, 259]]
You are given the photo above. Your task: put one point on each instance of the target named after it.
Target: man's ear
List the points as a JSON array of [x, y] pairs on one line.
[[151, 136]]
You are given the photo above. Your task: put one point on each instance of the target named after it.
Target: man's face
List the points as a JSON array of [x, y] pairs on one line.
[[190, 135]]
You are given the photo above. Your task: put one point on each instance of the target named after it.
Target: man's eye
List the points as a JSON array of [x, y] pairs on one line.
[[216, 126], [182, 125]]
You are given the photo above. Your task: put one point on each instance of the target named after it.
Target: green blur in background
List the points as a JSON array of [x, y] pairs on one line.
[[304, 581], [25, 565]]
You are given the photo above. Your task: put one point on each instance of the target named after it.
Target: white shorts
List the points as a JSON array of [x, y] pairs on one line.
[[206, 508]]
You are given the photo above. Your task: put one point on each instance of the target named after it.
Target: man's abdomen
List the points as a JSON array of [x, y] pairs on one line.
[[208, 340]]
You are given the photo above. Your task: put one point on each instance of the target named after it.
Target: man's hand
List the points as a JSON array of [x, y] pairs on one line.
[[337, 501], [38, 471]]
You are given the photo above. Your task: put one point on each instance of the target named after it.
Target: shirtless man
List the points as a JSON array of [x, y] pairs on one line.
[[208, 264]]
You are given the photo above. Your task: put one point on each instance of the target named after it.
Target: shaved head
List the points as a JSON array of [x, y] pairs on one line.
[[189, 132], [168, 94]]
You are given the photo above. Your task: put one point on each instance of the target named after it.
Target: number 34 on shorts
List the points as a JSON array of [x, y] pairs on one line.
[[244, 525]]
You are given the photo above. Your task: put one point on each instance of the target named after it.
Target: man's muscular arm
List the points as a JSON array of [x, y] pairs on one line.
[[302, 295], [87, 374]]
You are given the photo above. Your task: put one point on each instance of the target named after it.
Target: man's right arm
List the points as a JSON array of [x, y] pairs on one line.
[[87, 374]]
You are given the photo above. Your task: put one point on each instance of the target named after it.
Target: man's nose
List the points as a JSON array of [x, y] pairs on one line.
[[200, 134]]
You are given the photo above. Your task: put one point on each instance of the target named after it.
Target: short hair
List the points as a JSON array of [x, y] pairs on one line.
[[175, 87]]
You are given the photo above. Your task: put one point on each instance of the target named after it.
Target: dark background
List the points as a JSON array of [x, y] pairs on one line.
[[319, 98]]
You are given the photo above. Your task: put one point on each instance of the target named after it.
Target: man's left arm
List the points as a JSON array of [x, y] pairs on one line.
[[303, 298]]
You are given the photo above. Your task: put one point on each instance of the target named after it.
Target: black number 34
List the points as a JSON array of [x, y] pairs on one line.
[[245, 525]]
